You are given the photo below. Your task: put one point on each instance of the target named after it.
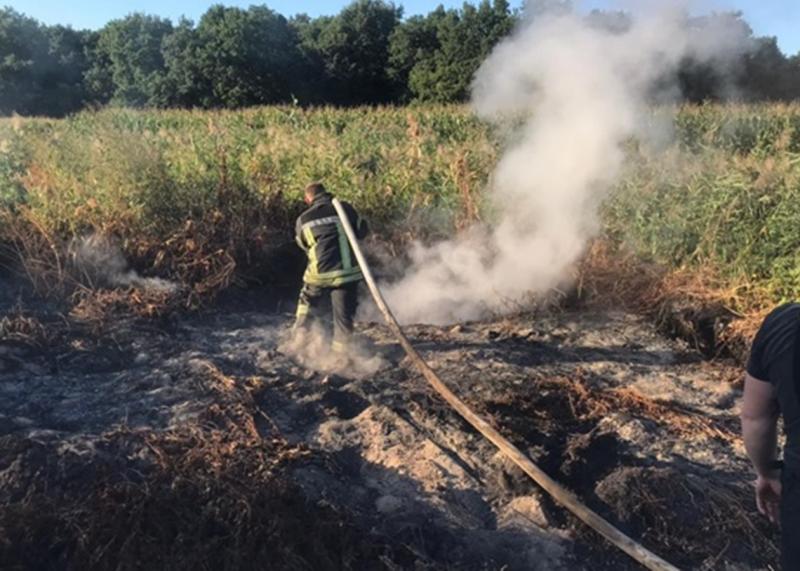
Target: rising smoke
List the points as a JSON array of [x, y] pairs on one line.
[[312, 349], [582, 87], [99, 262]]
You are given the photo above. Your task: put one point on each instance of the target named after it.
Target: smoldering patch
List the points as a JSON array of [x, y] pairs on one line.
[[313, 349], [99, 262]]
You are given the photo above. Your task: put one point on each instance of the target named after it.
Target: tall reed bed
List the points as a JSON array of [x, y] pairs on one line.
[[723, 198], [189, 194]]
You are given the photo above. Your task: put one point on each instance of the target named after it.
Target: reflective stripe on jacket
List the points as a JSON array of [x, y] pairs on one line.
[[320, 233]]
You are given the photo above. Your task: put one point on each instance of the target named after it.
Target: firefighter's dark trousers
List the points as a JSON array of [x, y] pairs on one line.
[[319, 303]]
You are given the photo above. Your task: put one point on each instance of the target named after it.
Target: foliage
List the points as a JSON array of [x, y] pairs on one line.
[[129, 53], [234, 58], [190, 194], [415, 40], [353, 49], [177, 187], [463, 40], [366, 54], [769, 75], [722, 199], [41, 68]]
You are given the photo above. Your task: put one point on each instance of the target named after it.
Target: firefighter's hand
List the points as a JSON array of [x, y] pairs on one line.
[[768, 497]]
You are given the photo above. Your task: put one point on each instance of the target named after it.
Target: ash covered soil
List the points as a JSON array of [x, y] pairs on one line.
[[204, 441]]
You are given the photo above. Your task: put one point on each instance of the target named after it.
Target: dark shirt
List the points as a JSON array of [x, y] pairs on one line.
[[772, 359]]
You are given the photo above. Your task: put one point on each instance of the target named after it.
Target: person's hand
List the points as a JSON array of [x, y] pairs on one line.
[[768, 497]]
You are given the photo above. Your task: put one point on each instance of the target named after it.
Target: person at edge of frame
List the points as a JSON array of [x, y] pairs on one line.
[[332, 274], [772, 389]]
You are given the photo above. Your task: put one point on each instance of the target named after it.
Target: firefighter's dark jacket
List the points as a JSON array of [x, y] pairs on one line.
[[319, 232]]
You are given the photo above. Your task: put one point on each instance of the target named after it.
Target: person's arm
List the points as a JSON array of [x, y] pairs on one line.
[[359, 224], [298, 235], [760, 424], [361, 227], [760, 434]]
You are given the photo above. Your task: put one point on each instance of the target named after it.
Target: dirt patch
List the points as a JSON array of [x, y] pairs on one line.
[[665, 501], [589, 394], [207, 424]]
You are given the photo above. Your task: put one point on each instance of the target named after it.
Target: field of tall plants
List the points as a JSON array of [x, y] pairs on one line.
[[194, 195], [721, 201], [206, 197]]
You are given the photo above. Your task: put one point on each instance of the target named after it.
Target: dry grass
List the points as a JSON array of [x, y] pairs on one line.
[[37, 253], [100, 309], [211, 495], [202, 198], [202, 499], [20, 327], [718, 317], [612, 275], [201, 257], [695, 518], [591, 404]]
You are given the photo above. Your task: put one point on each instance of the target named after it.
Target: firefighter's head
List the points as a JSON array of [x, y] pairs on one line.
[[312, 191]]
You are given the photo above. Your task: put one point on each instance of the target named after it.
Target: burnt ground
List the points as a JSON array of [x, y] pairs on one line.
[[207, 434]]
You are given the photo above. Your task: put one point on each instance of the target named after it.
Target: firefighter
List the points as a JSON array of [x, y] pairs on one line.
[[772, 390], [332, 274]]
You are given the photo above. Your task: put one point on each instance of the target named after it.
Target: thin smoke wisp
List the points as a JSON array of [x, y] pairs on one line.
[[101, 263]]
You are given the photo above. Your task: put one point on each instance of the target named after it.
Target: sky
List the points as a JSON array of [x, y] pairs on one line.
[[780, 18]]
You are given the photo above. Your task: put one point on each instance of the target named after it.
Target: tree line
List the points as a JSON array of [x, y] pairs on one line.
[[235, 57]]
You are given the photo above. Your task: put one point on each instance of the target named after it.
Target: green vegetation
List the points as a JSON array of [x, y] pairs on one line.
[[366, 54], [173, 186], [192, 195], [234, 57], [723, 199], [153, 170]]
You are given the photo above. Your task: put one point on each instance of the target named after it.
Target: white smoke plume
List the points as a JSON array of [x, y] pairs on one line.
[[100, 262], [583, 88]]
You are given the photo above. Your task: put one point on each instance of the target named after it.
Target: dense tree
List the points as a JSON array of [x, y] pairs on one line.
[[793, 77], [185, 84], [463, 39], [414, 41], [353, 48], [233, 58], [128, 62], [758, 72], [22, 45], [41, 69], [61, 78], [767, 74], [316, 85], [97, 79], [366, 54]]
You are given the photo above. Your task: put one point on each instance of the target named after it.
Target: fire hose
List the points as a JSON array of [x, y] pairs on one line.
[[563, 496]]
